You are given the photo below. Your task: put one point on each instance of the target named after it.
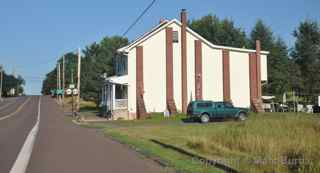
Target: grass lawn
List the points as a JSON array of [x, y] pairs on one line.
[[268, 142], [88, 109]]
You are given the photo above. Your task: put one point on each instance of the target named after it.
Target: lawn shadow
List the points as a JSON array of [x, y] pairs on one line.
[[202, 160], [88, 109], [217, 120], [188, 120]]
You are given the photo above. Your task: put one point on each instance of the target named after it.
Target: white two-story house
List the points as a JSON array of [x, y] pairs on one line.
[[166, 68]]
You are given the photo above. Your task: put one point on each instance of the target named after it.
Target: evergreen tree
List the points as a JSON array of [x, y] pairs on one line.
[[220, 32], [306, 54], [278, 59]]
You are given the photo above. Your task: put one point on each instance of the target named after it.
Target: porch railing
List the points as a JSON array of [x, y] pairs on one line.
[[121, 103]]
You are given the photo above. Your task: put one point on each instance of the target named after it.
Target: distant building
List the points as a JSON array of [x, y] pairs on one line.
[[12, 92], [171, 65]]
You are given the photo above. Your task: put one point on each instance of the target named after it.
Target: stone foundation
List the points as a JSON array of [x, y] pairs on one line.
[[123, 114]]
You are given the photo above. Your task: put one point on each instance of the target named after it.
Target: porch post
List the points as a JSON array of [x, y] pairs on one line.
[[113, 96]]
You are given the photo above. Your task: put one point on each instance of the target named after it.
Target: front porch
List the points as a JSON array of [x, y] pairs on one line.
[[114, 101]]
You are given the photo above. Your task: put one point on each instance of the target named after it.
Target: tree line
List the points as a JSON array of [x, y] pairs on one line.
[[96, 59], [289, 69], [12, 82]]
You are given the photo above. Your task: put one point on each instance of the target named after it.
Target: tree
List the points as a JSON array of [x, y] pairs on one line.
[[220, 32], [99, 59], [306, 53], [50, 82], [278, 59], [263, 33], [12, 82]]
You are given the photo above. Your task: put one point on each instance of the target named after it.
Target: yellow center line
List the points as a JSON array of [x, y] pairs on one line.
[[15, 112]]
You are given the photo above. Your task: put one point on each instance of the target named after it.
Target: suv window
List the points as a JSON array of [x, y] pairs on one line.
[[204, 105], [219, 105], [228, 105]]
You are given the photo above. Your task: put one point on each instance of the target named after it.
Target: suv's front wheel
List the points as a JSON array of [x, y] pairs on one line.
[[242, 116], [204, 118]]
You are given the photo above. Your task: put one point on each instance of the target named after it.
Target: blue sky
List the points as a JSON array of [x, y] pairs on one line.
[[33, 33]]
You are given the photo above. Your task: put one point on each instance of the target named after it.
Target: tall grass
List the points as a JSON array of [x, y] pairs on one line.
[[266, 143]]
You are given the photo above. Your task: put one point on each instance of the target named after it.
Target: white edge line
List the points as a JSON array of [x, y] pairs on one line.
[[22, 161]]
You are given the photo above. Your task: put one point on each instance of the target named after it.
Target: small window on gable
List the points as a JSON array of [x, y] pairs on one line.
[[175, 36]]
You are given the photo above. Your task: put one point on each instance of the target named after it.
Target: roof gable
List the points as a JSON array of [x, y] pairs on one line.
[[167, 23]]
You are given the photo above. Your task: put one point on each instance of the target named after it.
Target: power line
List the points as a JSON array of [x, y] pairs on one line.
[[140, 16]]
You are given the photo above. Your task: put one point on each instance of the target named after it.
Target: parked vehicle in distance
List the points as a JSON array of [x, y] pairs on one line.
[[209, 110], [316, 109]]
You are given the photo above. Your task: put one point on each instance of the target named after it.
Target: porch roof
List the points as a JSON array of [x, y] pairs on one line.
[[122, 80]]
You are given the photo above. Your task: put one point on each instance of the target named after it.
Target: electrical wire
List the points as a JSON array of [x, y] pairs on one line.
[[139, 17]]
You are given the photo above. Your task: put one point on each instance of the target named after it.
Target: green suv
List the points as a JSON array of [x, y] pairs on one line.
[[208, 110]]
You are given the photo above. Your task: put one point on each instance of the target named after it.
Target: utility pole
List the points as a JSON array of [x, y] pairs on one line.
[[72, 76], [72, 107], [1, 80], [63, 77], [78, 83], [58, 82], [15, 76]]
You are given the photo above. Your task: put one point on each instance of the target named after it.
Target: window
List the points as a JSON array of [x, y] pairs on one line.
[[121, 65], [204, 105], [228, 105], [121, 92], [175, 36], [219, 105]]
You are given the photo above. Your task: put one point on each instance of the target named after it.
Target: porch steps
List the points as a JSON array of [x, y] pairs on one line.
[[171, 106], [141, 108], [257, 105]]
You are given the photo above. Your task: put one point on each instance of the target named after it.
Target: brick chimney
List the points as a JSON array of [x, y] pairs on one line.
[[184, 92], [161, 20], [183, 16]]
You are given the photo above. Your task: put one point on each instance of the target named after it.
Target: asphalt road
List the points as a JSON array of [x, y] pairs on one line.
[[62, 146], [8, 105], [14, 129]]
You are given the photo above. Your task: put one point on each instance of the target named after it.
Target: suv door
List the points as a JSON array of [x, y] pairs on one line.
[[206, 107], [229, 110], [219, 110]]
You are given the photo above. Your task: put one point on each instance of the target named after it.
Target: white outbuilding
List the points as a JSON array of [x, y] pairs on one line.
[[166, 68]]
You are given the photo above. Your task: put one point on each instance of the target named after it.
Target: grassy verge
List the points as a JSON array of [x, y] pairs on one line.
[[88, 109], [269, 142]]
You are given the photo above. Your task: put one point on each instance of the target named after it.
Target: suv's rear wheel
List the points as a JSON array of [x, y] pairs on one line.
[[204, 118], [242, 116]]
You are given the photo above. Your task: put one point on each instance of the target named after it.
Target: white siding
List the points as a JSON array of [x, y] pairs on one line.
[[154, 52], [154, 72], [190, 66], [177, 68], [132, 81], [239, 79], [264, 66], [212, 79]]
